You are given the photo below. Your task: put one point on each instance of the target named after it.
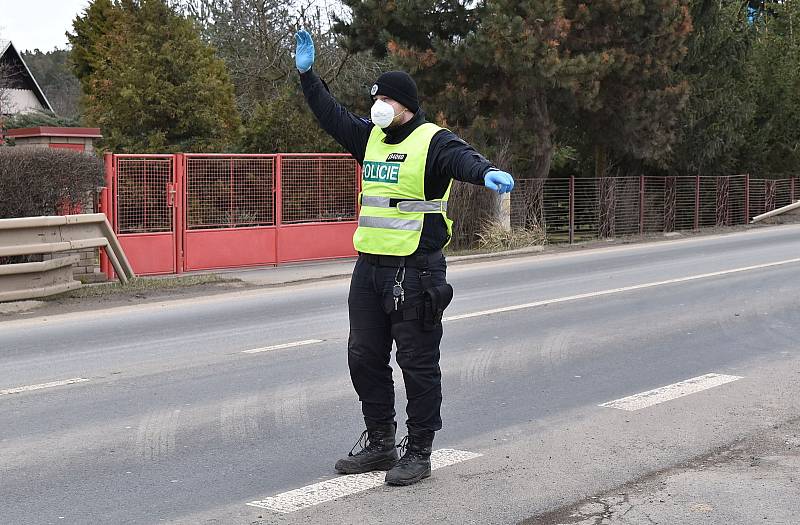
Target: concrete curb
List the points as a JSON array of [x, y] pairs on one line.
[[492, 255], [333, 269]]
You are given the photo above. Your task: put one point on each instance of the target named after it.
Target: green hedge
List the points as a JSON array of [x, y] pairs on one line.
[[35, 119]]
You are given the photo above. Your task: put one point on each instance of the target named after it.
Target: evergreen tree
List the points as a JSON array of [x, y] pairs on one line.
[[633, 106], [151, 84], [773, 142], [93, 31], [284, 124], [52, 72], [506, 72], [720, 109]]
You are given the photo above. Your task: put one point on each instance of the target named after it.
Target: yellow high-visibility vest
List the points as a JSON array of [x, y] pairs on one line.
[[392, 197]]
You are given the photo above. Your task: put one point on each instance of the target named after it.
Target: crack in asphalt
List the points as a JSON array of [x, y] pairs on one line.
[[627, 504]]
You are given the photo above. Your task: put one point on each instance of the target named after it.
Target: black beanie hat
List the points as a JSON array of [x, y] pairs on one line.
[[399, 86]]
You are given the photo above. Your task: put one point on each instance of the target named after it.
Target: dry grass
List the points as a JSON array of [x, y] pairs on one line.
[[495, 237], [142, 284]]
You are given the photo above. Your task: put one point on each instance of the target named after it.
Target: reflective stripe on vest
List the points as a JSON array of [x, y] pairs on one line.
[[423, 206], [389, 223], [409, 206]]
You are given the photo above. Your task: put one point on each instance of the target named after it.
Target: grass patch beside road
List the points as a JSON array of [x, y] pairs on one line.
[[494, 237], [146, 284]]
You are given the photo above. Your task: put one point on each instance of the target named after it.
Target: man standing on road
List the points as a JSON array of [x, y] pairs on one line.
[[398, 290]]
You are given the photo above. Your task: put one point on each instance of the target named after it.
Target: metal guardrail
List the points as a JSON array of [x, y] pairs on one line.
[[52, 234], [37, 279]]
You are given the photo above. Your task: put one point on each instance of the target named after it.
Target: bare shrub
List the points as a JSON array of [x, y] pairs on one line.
[[470, 207], [41, 181]]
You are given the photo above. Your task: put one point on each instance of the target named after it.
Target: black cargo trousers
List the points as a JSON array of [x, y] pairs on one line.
[[374, 324]]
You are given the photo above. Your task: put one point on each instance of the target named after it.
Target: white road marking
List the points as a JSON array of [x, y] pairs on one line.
[[341, 486], [43, 385], [284, 345], [617, 290], [670, 392]]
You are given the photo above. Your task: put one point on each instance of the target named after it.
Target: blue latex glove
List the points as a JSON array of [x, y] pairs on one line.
[[499, 181], [304, 53]]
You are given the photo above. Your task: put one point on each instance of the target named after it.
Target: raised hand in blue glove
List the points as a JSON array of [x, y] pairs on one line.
[[304, 52], [499, 181]]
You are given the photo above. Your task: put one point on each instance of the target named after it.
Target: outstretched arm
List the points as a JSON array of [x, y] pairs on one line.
[[458, 160], [346, 128]]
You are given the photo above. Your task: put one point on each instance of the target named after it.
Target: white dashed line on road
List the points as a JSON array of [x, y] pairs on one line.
[[670, 392], [284, 345], [617, 290], [40, 386], [336, 488]]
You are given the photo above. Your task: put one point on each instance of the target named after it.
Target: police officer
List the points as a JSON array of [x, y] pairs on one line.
[[398, 289]]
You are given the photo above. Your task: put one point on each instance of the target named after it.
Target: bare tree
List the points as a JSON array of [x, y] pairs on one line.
[[5, 96], [256, 40]]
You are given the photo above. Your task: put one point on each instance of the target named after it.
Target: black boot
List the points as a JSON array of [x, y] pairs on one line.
[[415, 464], [377, 451]]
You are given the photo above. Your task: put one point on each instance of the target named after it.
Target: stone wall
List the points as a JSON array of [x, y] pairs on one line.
[[87, 269]]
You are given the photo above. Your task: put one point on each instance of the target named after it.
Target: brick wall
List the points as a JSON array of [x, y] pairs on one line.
[[86, 144]]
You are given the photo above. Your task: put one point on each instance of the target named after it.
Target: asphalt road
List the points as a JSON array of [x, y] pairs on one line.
[[174, 422]]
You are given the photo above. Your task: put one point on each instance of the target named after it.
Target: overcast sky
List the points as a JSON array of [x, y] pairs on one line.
[[32, 24]]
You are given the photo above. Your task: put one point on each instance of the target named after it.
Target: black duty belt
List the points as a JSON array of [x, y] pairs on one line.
[[411, 261]]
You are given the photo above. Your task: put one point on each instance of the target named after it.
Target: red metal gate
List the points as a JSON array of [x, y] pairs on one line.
[[143, 209], [188, 212]]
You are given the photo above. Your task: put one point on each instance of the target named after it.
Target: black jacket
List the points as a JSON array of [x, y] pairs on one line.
[[449, 157]]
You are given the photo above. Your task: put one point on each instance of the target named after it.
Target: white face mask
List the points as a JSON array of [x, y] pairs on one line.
[[382, 114]]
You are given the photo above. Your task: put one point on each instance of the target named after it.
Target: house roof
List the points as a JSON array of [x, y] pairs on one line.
[[10, 55]]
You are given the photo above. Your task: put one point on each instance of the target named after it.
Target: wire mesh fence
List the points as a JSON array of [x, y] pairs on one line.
[[737, 201], [581, 209], [143, 193], [652, 217], [319, 189], [245, 191], [768, 195], [230, 192]]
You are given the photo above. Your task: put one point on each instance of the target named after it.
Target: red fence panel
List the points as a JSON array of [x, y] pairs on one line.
[[230, 211], [145, 220], [587, 209], [319, 207], [318, 188]]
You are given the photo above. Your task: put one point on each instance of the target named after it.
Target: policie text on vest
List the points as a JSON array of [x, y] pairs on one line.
[[387, 172]]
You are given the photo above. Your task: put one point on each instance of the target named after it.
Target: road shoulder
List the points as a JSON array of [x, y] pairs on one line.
[[754, 480]]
